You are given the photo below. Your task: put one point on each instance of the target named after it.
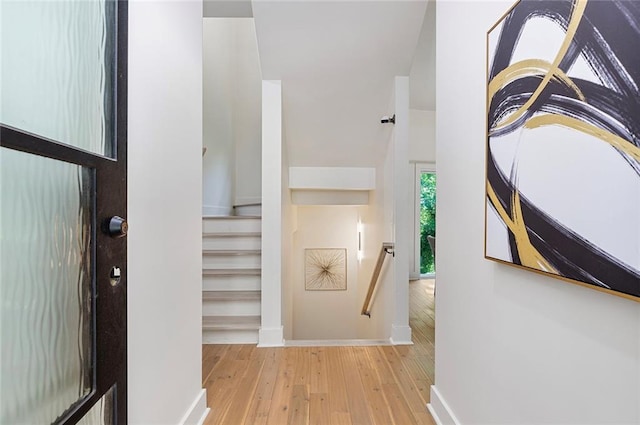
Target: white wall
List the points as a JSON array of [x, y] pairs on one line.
[[164, 259], [219, 83], [512, 347], [326, 314], [422, 136], [377, 224], [247, 115], [232, 115]]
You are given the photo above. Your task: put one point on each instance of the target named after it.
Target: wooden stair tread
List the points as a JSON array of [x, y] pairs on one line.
[[231, 272], [230, 295], [231, 322], [231, 252]]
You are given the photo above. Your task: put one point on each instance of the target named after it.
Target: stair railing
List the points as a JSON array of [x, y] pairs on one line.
[[387, 248]]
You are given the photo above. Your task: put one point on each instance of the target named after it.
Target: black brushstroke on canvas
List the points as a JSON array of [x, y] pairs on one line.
[[608, 38]]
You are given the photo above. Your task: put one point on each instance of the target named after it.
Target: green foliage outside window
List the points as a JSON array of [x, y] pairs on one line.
[[427, 220]]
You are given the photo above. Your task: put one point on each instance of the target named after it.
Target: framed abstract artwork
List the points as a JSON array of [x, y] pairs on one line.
[[563, 142], [325, 269]]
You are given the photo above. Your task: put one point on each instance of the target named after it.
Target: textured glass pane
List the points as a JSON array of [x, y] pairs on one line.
[[58, 70], [102, 413], [45, 287]]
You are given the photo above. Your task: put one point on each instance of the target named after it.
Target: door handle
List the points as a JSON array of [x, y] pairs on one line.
[[118, 227]]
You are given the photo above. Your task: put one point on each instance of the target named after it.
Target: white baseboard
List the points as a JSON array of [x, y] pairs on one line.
[[198, 411], [216, 210], [440, 410], [334, 342], [401, 335], [271, 337], [414, 276]]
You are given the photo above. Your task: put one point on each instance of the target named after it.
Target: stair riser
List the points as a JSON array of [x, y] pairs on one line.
[[229, 336], [230, 261], [213, 225], [231, 283], [248, 210], [231, 243], [231, 308]]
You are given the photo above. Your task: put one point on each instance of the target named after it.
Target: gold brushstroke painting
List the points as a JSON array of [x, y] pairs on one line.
[[563, 142]]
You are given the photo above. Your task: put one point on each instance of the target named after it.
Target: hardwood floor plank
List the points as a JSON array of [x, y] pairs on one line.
[[318, 370], [340, 418], [319, 413], [335, 376], [299, 406], [378, 407], [303, 366], [279, 409], [357, 404], [381, 366], [398, 405], [245, 351], [404, 379], [245, 392], [258, 412], [228, 376], [211, 355]]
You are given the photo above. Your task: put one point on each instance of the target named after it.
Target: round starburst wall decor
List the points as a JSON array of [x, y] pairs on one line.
[[325, 269]]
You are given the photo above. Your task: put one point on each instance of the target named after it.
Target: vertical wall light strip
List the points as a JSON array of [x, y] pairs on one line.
[[359, 240]]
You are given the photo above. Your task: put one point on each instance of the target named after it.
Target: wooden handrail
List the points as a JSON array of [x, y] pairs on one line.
[[387, 248]]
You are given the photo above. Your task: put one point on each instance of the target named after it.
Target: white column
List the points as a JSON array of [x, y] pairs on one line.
[[400, 330], [271, 331]]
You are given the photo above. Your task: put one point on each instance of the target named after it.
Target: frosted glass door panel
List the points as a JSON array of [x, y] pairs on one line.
[[102, 413], [45, 287], [58, 62]]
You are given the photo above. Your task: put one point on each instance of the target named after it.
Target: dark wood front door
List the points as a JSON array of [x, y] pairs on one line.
[[63, 205]]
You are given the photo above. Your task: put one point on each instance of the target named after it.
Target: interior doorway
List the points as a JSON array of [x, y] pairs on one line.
[[426, 218]]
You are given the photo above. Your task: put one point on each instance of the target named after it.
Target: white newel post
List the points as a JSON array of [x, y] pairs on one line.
[[271, 331], [400, 330]]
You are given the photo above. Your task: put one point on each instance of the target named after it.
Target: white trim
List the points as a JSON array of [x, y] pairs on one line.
[[334, 342], [400, 335], [247, 200], [440, 410], [271, 337], [197, 413], [216, 211], [428, 276], [414, 273]]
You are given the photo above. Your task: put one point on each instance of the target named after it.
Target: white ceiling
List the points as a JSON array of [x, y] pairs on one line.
[[337, 61]]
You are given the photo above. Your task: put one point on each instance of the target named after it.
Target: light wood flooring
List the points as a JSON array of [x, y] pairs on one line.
[[325, 385]]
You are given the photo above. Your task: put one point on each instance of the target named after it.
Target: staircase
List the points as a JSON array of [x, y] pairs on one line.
[[231, 273]]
